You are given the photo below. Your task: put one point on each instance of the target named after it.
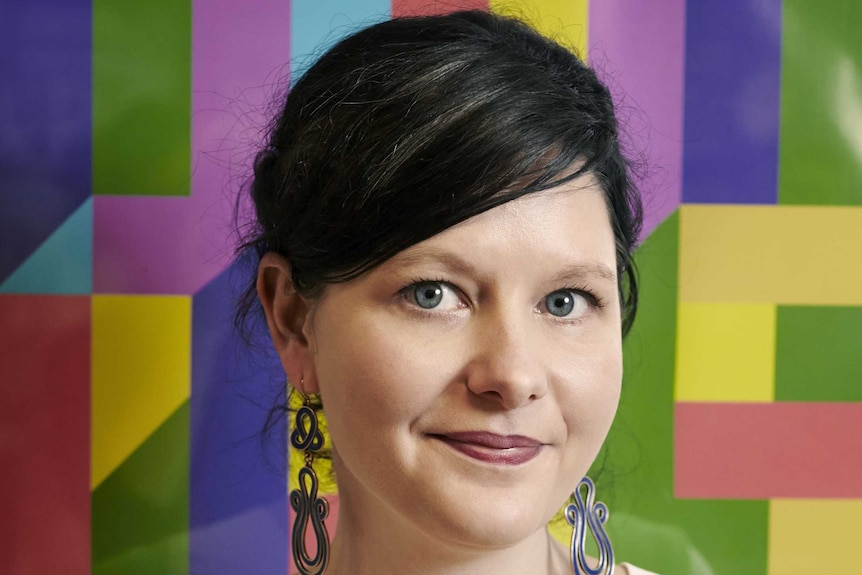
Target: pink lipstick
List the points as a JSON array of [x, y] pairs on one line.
[[491, 447]]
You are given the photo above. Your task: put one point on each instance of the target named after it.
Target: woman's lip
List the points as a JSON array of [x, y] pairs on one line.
[[491, 447], [492, 440]]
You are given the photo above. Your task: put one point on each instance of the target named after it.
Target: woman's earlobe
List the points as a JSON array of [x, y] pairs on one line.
[[306, 384]]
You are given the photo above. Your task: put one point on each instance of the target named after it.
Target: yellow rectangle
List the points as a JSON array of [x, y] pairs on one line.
[[814, 536], [141, 372], [725, 352], [566, 21], [788, 255]]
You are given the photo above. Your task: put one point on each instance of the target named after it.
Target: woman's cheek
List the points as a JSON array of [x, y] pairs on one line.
[[370, 369], [591, 397]]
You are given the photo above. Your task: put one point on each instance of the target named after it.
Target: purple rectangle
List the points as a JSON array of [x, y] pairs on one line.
[[238, 488], [238, 498], [732, 76], [45, 121], [637, 48]]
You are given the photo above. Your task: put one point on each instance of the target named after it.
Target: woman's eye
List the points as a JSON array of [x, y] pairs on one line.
[[432, 295], [566, 303]]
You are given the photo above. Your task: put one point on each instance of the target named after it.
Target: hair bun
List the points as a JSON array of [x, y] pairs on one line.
[[264, 188]]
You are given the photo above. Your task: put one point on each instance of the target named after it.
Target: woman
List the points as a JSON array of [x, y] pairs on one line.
[[444, 233]]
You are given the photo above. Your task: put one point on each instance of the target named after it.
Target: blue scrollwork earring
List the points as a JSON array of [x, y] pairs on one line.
[[588, 513], [310, 509]]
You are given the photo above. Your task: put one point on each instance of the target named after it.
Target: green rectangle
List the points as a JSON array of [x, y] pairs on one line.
[[821, 103], [141, 511], [142, 97], [818, 354]]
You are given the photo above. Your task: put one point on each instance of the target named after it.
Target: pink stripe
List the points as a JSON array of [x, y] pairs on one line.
[[430, 7], [767, 450], [638, 49], [177, 245]]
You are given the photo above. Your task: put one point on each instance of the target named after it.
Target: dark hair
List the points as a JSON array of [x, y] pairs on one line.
[[412, 125]]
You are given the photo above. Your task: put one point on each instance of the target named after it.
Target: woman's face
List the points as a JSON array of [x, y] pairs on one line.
[[470, 380]]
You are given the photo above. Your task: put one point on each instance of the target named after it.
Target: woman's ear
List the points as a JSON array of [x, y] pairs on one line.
[[288, 318]]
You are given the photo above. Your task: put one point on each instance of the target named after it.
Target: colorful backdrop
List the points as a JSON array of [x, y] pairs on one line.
[[131, 411]]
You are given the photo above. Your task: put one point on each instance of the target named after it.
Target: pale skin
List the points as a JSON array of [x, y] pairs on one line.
[[492, 353]]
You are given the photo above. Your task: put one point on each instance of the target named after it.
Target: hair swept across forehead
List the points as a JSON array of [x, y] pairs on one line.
[[415, 124]]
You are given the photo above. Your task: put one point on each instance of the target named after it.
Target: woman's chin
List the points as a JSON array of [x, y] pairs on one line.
[[494, 525]]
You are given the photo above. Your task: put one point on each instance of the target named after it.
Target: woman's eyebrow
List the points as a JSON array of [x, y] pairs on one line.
[[586, 270], [424, 255], [452, 261]]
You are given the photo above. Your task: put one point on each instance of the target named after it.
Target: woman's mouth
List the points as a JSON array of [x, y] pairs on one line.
[[491, 447]]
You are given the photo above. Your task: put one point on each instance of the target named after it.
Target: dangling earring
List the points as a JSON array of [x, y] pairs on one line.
[[593, 513], [307, 437]]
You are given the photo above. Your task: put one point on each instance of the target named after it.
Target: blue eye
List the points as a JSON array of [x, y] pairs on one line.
[[433, 296], [428, 295], [562, 302]]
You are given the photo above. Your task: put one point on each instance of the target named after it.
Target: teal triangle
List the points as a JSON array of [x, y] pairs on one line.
[[63, 264]]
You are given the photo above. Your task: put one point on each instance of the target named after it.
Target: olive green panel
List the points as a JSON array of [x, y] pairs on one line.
[[820, 149], [142, 97], [818, 354], [648, 526], [141, 511]]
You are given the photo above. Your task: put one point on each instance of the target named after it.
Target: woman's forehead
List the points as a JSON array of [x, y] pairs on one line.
[[568, 224]]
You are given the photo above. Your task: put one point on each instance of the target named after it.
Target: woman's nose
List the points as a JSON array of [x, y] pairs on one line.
[[506, 366]]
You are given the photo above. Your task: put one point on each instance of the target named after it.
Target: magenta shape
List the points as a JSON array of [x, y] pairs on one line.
[[168, 245], [638, 48]]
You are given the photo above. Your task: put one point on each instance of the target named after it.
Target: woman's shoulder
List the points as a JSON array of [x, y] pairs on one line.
[[632, 570]]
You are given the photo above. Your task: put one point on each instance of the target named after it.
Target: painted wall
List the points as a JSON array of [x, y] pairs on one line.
[[131, 411]]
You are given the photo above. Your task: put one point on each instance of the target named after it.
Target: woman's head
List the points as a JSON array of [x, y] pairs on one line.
[[413, 125], [445, 230], [469, 380]]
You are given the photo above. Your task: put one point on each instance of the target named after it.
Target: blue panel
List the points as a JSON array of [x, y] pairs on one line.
[[315, 26], [238, 496], [63, 264], [45, 71], [732, 75]]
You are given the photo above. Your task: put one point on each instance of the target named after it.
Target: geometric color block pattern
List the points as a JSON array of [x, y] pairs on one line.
[[237, 490], [786, 255], [175, 245], [140, 512], [146, 42], [63, 263], [760, 129], [650, 525], [45, 121], [141, 372], [818, 354], [741, 363], [768, 450], [821, 129], [44, 434], [805, 534], [709, 335], [638, 48]]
